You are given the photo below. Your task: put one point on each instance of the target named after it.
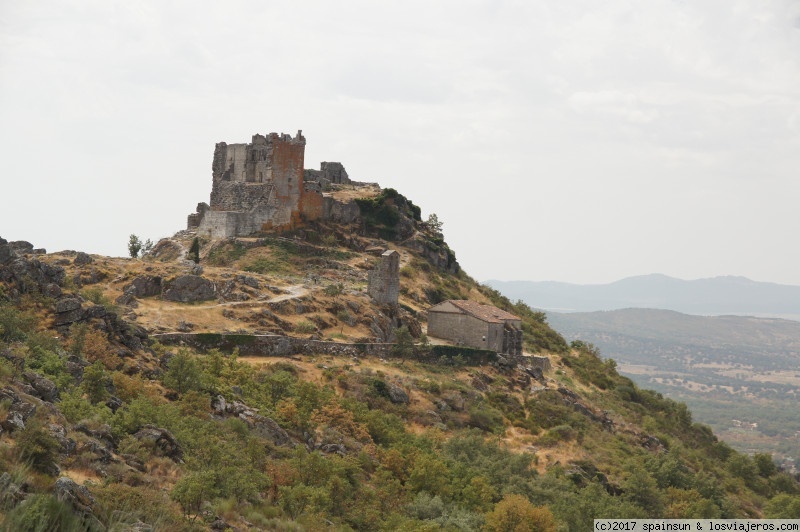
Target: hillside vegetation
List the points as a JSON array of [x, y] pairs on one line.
[[739, 374], [106, 428]]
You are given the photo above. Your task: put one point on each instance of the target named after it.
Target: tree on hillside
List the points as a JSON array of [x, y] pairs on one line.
[[433, 224], [404, 343], [134, 246], [516, 514], [194, 251]]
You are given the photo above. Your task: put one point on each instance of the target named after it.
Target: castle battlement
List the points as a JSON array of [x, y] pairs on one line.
[[261, 185]]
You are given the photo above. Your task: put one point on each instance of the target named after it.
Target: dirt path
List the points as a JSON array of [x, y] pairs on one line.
[[292, 292]]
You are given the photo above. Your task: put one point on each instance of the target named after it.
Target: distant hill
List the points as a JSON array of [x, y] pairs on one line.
[[714, 296], [729, 369]]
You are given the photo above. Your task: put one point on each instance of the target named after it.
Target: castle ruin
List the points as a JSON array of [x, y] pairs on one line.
[[384, 279], [262, 185]]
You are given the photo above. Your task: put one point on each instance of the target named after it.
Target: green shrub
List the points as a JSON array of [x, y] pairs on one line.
[[305, 327], [556, 435], [42, 512], [486, 418]]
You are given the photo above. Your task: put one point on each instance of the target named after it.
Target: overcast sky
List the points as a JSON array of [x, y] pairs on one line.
[[577, 141]]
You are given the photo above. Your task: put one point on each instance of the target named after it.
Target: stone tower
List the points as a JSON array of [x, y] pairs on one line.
[[256, 186], [384, 279]]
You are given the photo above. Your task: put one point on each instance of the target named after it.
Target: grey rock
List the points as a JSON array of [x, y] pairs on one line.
[[397, 395], [76, 495], [59, 433], [68, 304], [100, 452], [573, 396], [100, 433], [252, 282], [81, 259], [266, 427], [164, 441], [6, 253], [51, 290], [21, 247], [68, 310], [337, 448], [12, 493], [189, 288], [134, 462], [46, 390], [144, 286], [18, 414], [114, 403]]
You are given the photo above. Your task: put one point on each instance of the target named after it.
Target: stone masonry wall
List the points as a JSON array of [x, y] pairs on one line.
[[465, 329], [261, 186], [384, 279]]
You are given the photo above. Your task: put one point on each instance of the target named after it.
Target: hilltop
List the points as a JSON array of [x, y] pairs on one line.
[[137, 394]]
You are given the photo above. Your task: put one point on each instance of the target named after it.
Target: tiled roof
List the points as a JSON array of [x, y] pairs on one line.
[[486, 313]]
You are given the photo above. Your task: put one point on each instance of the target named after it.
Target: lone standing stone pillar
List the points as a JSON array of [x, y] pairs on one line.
[[384, 279]]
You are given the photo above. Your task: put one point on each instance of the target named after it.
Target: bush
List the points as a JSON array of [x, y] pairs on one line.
[[43, 512], [305, 327], [37, 446], [486, 418]]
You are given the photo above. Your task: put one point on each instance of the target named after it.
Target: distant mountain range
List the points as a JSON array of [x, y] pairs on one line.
[[714, 296]]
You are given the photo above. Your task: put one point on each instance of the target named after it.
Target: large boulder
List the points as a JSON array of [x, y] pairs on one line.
[[81, 259], [18, 412], [396, 394], [76, 495], [265, 427], [6, 252], [45, 389], [189, 288], [68, 310], [145, 286]]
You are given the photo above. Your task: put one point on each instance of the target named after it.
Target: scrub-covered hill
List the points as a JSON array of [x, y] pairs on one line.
[[109, 423]]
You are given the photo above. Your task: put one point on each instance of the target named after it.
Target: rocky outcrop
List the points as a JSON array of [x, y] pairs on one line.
[[82, 259], [68, 310], [75, 495], [28, 275], [145, 286], [18, 413], [263, 426], [396, 394], [45, 389], [189, 288], [163, 440], [142, 286]]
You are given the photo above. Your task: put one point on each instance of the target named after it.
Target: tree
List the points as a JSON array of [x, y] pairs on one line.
[[94, 383], [433, 224], [183, 373], [194, 251], [36, 445], [516, 514], [147, 246], [193, 490], [404, 343], [334, 290], [134, 246]]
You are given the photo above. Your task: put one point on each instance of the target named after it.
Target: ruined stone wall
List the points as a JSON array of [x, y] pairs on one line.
[[261, 186], [384, 279], [460, 328], [330, 173]]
